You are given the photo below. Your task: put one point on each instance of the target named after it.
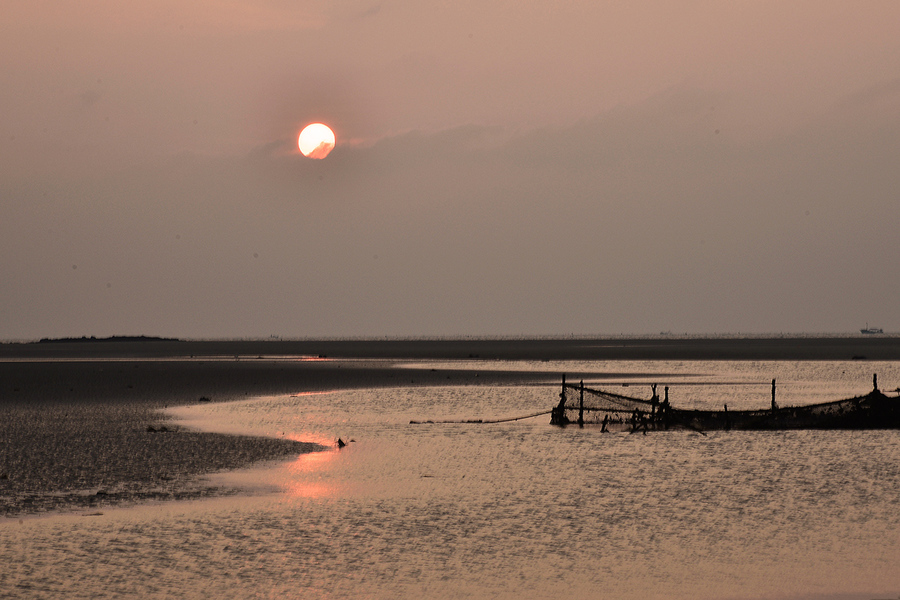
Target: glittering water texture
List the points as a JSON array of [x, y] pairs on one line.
[[511, 510]]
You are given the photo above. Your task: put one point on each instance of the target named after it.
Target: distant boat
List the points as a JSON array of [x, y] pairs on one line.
[[871, 330]]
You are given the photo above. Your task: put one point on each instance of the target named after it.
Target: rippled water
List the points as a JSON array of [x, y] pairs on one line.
[[511, 510]]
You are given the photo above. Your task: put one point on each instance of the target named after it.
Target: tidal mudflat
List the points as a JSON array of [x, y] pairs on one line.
[[512, 510]]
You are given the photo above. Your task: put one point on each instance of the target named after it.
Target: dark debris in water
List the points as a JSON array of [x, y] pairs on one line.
[[41, 503]]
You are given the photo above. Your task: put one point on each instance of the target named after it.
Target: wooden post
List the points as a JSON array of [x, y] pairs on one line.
[[581, 406], [558, 414], [665, 410], [774, 406], [875, 381]]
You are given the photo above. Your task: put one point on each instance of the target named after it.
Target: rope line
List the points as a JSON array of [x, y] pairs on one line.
[[483, 421]]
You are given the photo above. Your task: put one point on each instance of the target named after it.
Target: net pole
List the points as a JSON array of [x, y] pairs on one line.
[[558, 414], [581, 405]]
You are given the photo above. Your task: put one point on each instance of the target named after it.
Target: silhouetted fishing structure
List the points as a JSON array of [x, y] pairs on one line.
[[581, 405]]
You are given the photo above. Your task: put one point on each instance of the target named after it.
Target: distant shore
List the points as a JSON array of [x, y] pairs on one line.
[[82, 427], [864, 347], [158, 373]]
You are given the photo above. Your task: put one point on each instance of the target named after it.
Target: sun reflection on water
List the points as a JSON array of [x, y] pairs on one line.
[[313, 462], [310, 490]]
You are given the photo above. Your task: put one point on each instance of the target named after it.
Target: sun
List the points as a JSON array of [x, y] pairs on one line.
[[316, 140]]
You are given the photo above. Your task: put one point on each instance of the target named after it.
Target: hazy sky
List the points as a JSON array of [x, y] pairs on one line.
[[502, 168]]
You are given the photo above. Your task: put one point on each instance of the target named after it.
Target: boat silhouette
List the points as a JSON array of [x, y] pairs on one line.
[[871, 330]]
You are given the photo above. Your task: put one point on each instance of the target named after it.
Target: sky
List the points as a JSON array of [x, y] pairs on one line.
[[528, 168]]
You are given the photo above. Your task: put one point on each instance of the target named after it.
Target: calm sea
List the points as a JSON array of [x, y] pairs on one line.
[[512, 510]]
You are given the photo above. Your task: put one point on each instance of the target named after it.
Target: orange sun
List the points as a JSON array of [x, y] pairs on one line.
[[316, 140]]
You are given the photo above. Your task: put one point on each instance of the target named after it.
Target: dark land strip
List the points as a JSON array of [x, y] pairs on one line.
[[872, 347]]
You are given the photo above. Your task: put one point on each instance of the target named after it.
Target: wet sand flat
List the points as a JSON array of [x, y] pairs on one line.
[[80, 426], [87, 433], [84, 435]]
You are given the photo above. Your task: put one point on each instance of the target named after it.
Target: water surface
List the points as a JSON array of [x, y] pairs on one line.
[[511, 510]]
